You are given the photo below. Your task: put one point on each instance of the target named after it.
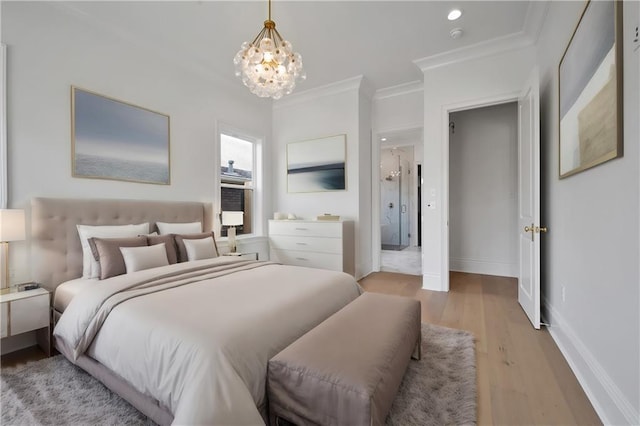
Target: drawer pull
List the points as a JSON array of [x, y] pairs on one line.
[[301, 244], [302, 229], [301, 258]]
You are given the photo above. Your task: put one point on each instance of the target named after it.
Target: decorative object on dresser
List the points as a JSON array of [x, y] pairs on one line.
[[317, 165], [316, 244], [23, 311], [12, 228], [115, 140], [232, 219]]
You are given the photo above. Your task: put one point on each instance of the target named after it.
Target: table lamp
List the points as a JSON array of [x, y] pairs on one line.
[[12, 228], [232, 219]]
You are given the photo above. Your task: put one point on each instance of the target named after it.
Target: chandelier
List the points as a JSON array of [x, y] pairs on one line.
[[268, 65]]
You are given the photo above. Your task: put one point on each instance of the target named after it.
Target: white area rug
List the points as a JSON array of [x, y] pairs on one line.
[[440, 389]]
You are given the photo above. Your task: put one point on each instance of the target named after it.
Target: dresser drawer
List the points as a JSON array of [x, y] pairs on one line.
[[319, 244], [309, 259], [305, 229], [29, 314]]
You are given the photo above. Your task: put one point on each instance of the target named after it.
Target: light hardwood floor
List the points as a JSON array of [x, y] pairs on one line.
[[523, 379]]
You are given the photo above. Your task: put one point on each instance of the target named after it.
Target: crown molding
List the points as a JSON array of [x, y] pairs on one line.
[[536, 14], [353, 83], [491, 47], [528, 36], [400, 89]]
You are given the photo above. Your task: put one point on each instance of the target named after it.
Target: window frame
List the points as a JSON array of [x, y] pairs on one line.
[[256, 187]]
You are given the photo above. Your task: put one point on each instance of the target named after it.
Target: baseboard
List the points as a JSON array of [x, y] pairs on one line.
[[483, 267], [431, 282], [607, 399]]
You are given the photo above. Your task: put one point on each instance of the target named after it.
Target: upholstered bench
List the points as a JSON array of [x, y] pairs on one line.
[[347, 370]]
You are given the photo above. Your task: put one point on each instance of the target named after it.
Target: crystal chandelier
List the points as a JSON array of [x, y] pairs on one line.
[[268, 65]]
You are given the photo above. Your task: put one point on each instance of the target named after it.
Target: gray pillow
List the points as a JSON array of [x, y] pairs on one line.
[[107, 252], [169, 244], [182, 251]]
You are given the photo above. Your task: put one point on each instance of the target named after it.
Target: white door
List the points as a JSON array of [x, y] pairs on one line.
[[529, 198]]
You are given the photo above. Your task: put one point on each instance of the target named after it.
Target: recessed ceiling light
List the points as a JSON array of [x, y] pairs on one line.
[[454, 14], [383, 139]]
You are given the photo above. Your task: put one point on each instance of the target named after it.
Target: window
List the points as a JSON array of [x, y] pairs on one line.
[[237, 167]]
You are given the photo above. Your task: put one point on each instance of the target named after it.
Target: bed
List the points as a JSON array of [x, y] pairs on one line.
[[187, 343]]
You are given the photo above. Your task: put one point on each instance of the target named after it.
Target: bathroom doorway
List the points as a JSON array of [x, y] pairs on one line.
[[400, 169]]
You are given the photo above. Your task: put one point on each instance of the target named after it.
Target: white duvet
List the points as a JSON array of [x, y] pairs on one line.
[[197, 336]]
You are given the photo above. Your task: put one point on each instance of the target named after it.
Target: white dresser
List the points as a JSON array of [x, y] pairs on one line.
[[316, 244]]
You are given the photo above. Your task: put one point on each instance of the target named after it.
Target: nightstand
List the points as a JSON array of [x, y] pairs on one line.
[[247, 255], [23, 311]]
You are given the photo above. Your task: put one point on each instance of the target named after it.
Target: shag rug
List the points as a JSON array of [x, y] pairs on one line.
[[440, 389]]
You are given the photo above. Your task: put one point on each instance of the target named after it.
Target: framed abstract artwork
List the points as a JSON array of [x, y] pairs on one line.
[[590, 90], [112, 139], [317, 165]]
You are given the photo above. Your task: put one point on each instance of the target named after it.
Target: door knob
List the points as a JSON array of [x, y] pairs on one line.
[[540, 229]]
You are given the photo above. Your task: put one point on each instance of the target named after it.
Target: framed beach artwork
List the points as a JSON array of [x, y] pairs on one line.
[[590, 90], [317, 165], [116, 140]]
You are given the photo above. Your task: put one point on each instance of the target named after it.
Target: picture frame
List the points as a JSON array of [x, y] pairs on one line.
[[590, 81], [116, 140], [317, 165]]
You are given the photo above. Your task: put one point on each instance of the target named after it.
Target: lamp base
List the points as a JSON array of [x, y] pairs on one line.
[[231, 238]]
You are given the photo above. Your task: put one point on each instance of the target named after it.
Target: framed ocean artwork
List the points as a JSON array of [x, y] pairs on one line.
[[116, 140], [317, 165]]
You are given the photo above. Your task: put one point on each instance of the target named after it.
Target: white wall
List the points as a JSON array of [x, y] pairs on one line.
[[483, 185], [323, 112], [50, 49], [592, 248], [450, 87]]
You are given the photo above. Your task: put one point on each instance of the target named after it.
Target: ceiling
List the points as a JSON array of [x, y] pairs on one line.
[[337, 39]]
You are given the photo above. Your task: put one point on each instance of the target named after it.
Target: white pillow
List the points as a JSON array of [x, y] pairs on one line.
[[90, 266], [200, 249], [179, 228], [146, 257]]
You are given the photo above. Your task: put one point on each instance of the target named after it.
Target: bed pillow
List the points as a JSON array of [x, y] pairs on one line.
[[107, 252], [90, 266], [139, 258], [182, 251], [179, 228], [170, 245], [200, 249]]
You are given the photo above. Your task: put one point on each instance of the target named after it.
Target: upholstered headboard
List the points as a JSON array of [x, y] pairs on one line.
[[55, 245]]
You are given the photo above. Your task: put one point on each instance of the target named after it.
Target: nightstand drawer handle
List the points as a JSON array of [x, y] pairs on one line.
[[301, 258]]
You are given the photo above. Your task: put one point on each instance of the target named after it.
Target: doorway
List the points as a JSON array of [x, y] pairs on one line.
[[483, 190], [399, 205]]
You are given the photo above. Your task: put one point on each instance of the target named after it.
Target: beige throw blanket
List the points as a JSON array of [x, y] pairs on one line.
[[197, 336]]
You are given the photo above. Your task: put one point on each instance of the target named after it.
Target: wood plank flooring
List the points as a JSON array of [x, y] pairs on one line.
[[523, 379]]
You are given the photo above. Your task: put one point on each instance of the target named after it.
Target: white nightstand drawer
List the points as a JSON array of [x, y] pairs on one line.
[[309, 259], [305, 228], [4, 319], [30, 313], [319, 244]]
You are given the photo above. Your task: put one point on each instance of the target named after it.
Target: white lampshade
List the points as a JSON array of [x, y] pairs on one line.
[[12, 225], [232, 218]]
